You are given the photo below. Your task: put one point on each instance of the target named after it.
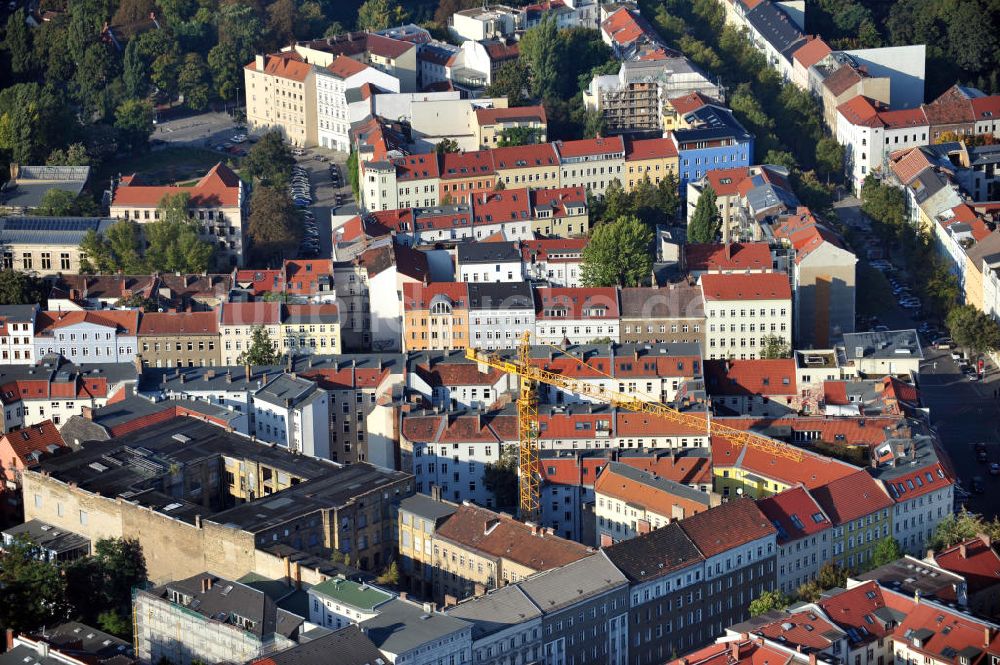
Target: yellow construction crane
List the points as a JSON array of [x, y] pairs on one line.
[[527, 411]]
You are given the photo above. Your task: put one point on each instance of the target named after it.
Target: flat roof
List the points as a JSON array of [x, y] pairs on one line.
[[45, 535], [891, 344]]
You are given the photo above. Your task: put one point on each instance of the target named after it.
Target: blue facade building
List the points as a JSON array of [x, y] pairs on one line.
[[713, 140]]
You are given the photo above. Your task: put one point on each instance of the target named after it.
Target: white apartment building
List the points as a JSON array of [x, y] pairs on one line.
[[293, 413], [499, 314], [333, 122], [742, 311], [488, 262], [591, 163], [580, 315], [339, 602], [17, 331]]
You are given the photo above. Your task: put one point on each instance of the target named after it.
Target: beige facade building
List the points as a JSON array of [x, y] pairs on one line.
[[490, 124], [281, 94], [451, 552], [743, 310], [237, 324], [46, 246], [309, 329], [179, 339]]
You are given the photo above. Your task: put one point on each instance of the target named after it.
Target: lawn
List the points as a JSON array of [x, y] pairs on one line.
[[164, 167]]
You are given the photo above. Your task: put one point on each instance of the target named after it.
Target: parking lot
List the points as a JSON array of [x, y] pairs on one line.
[[316, 163]]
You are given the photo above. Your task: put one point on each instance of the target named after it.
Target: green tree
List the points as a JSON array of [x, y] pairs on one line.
[[510, 81], [781, 158], [275, 227], [973, 329], [512, 136], [192, 82], [706, 221], [541, 50], [775, 347], [119, 249], [446, 145], [767, 601], [33, 590], [166, 67], [886, 551], [353, 175], [376, 15], [831, 576], [263, 351], [33, 121], [17, 43], [954, 529], [669, 196], [174, 242], [18, 288], [829, 157], [135, 70], [269, 161], [226, 74], [115, 623], [134, 122], [75, 154], [619, 254], [282, 18], [241, 27], [58, 203], [594, 124], [390, 576], [501, 478]]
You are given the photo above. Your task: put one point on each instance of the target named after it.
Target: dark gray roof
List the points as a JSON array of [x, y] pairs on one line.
[[891, 344], [711, 122], [18, 313], [401, 626], [76, 639], [776, 27], [426, 507], [496, 611], [558, 588], [31, 184], [909, 575], [48, 537], [504, 295], [681, 301], [224, 600], [62, 231], [654, 554], [284, 388], [488, 252], [347, 646]]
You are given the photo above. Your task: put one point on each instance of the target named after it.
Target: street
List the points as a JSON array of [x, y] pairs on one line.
[[324, 193], [962, 412]]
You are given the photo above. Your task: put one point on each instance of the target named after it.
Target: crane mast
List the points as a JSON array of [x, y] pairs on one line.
[[529, 469]]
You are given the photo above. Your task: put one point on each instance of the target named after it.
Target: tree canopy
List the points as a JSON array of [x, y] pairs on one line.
[[706, 220], [886, 551], [269, 161], [619, 253], [954, 529], [262, 350], [767, 601], [973, 329], [275, 226], [18, 288]]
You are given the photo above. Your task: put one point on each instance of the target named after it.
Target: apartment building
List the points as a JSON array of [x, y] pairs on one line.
[[888, 353], [648, 158], [488, 262], [294, 413], [742, 311], [535, 166], [339, 602], [560, 212], [553, 261], [804, 537], [400, 182], [208, 619], [308, 329], [727, 258], [630, 501], [466, 176], [17, 330], [87, 337], [388, 53], [24, 448], [179, 339], [237, 323], [451, 382], [500, 314], [46, 246], [471, 549], [582, 315], [671, 314], [492, 124], [714, 140], [333, 122], [860, 510], [281, 95], [436, 316], [591, 163], [217, 203]]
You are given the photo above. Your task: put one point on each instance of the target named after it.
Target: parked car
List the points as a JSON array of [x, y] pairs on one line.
[[981, 455], [957, 356], [943, 343], [995, 469], [298, 152]]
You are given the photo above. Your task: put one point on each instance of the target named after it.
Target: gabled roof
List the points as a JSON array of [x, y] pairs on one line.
[[508, 205], [671, 301], [726, 182], [471, 164], [860, 110], [31, 444], [590, 147], [794, 513], [563, 303], [841, 80], [640, 149], [525, 156], [852, 497], [909, 164], [811, 52], [865, 612], [811, 470], [654, 554], [751, 377], [420, 296], [759, 286], [944, 635], [343, 67], [492, 116], [220, 187], [287, 64], [641, 488], [179, 323], [690, 102], [976, 560], [123, 321], [986, 108], [726, 527], [713, 257], [954, 106], [251, 313]]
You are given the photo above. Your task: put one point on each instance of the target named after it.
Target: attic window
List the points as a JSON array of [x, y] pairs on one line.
[[818, 518]]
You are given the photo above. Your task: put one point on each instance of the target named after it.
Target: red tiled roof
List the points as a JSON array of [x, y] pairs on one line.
[[835, 393], [302, 275], [690, 102], [418, 296], [739, 652], [851, 497], [562, 303], [986, 108], [24, 441], [639, 149], [909, 164], [975, 560], [949, 634], [811, 52], [804, 233], [508, 205], [622, 27], [952, 107], [553, 249], [501, 536], [737, 256], [860, 110], [725, 182], [597, 365], [251, 313], [259, 282], [588, 147], [348, 377], [457, 374], [556, 200], [493, 116], [656, 499], [525, 156], [760, 286], [386, 46], [903, 118], [417, 167], [467, 164], [810, 470], [854, 611], [643, 424], [796, 513], [497, 50], [805, 629], [725, 527], [125, 322], [179, 323], [220, 187], [842, 79], [751, 377], [344, 67]]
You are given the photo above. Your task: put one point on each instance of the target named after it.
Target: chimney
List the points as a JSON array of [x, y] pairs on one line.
[[137, 362], [180, 376], [987, 636], [210, 374], [812, 658], [229, 377], [985, 537], [206, 584], [436, 492], [87, 412], [403, 595], [734, 650], [963, 551], [259, 63], [10, 631], [246, 370]]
